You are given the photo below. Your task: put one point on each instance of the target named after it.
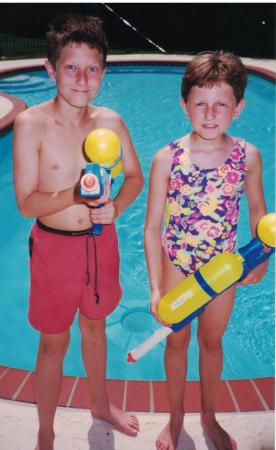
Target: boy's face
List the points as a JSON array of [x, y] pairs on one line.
[[78, 74], [211, 110]]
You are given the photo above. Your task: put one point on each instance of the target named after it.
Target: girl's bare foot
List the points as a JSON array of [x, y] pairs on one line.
[[123, 421], [217, 434], [168, 438]]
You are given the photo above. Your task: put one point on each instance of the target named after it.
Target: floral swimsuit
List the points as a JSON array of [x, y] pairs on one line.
[[202, 207]]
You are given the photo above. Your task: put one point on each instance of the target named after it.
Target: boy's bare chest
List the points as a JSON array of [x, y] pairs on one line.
[[61, 155]]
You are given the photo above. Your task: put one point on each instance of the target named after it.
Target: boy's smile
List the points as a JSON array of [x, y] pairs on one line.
[[211, 110], [78, 74]]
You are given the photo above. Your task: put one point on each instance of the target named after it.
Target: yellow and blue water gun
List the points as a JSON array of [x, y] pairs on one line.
[[102, 149], [190, 297]]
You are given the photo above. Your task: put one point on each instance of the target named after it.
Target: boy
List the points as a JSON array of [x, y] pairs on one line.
[[70, 271]]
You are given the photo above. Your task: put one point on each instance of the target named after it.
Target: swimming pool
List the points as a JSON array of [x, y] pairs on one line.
[[148, 99]]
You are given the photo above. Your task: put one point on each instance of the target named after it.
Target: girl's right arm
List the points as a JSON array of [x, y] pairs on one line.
[[158, 186]]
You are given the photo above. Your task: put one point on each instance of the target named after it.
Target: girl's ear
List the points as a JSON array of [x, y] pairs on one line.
[[239, 108], [184, 106], [50, 69]]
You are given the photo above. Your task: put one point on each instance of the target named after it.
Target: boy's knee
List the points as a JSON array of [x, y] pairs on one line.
[[92, 329], [55, 350]]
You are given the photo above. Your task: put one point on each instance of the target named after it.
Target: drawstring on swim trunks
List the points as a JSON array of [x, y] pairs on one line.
[[97, 296]]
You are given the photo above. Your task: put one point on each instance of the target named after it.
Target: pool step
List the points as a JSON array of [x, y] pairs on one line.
[[25, 83], [144, 396]]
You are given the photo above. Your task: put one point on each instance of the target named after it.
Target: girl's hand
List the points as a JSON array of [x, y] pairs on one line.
[[255, 275], [154, 300]]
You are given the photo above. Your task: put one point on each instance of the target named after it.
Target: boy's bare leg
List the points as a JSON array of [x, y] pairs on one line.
[[48, 379], [176, 368], [212, 325], [94, 357]]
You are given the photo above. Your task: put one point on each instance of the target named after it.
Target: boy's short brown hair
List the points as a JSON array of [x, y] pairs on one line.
[[210, 68], [77, 28]]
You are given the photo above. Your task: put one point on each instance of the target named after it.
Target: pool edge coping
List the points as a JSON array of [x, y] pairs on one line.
[[245, 395]]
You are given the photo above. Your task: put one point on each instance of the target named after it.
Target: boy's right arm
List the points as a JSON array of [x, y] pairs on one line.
[[158, 185], [26, 149]]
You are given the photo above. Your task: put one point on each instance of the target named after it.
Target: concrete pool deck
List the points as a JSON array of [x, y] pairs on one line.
[[76, 431], [246, 407]]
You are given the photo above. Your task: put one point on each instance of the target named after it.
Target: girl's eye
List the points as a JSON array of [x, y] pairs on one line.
[[221, 104], [200, 104], [92, 69]]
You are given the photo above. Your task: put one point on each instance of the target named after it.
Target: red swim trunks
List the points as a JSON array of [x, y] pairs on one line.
[[70, 271]]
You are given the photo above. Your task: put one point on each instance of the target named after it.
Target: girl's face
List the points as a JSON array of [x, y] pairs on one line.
[[211, 110]]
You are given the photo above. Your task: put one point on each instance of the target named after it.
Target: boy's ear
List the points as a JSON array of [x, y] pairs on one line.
[[184, 106], [50, 69], [239, 108]]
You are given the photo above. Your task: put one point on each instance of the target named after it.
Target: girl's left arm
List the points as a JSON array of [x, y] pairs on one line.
[[256, 203]]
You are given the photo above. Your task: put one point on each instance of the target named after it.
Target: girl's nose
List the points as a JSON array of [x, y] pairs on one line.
[[209, 112]]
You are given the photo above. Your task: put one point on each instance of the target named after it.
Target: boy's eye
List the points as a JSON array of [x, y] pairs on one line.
[[92, 69], [221, 104], [71, 67]]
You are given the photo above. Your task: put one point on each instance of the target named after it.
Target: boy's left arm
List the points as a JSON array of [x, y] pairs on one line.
[[256, 203], [133, 177]]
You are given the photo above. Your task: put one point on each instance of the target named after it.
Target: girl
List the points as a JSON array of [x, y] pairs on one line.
[[199, 180]]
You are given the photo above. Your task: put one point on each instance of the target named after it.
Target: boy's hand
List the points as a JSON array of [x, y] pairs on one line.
[[154, 300], [99, 200], [104, 215], [91, 201], [255, 276]]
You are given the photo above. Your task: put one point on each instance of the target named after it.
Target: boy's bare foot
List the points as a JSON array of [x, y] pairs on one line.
[[45, 441], [123, 421], [217, 434], [168, 438]]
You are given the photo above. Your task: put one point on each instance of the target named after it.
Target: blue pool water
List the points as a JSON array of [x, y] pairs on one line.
[[147, 97]]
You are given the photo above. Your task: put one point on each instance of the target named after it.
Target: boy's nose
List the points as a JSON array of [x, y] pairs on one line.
[[82, 77]]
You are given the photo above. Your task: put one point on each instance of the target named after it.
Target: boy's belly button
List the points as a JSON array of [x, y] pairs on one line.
[[82, 221]]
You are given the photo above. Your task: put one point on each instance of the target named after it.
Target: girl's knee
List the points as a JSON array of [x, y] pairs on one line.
[[179, 341], [210, 343]]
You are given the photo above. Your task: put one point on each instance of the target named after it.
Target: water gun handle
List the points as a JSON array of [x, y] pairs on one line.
[[97, 228], [254, 253]]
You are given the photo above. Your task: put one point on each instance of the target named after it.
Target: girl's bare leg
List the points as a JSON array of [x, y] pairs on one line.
[[212, 325], [176, 368]]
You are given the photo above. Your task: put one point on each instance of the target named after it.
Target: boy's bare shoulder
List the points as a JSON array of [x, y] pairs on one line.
[[105, 117], [34, 117]]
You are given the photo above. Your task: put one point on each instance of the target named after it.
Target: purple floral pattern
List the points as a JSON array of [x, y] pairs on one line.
[[202, 207]]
